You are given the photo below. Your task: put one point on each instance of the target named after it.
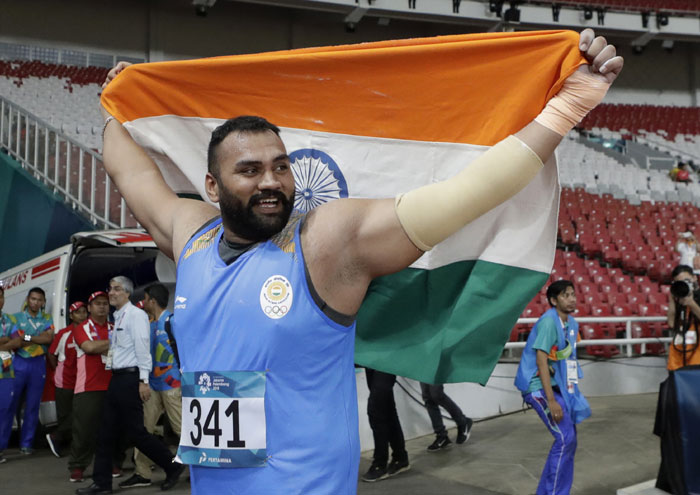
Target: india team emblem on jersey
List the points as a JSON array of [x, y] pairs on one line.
[[317, 178], [276, 297]]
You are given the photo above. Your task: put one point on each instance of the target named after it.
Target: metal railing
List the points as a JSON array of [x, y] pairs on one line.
[[627, 341], [67, 167]]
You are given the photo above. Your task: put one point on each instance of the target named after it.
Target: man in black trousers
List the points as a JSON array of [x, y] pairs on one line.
[[386, 428], [130, 359]]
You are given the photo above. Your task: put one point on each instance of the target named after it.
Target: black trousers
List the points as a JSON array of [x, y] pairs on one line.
[[434, 396], [64, 411], [122, 414], [383, 418]]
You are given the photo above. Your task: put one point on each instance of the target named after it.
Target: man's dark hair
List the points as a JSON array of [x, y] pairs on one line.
[[158, 292], [244, 123], [681, 269], [38, 290], [557, 288]]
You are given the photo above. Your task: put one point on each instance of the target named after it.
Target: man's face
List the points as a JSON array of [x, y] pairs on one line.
[[99, 307], [148, 305], [79, 315], [118, 297], [255, 185], [565, 302], [35, 301]]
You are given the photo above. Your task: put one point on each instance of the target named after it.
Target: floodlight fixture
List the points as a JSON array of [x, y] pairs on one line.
[[556, 8]]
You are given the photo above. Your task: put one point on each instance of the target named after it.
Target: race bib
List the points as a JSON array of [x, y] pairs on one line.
[[223, 419], [571, 374]]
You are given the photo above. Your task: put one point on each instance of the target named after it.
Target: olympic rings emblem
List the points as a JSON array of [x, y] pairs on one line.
[[276, 297]]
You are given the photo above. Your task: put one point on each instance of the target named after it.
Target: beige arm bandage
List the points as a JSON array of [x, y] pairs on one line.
[[432, 213], [580, 94]]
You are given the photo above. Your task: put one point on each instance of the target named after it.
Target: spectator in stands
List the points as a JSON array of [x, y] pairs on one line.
[[164, 379], [35, 328], [62, 357], [683, 174], [683, 350], [131, 363], [386, 428], [687, 247], [434, 396], [92, 341], [548, 379], [7, 375], [680, 173]]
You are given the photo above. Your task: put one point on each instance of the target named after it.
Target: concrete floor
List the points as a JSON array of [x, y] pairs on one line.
[[616, 449]]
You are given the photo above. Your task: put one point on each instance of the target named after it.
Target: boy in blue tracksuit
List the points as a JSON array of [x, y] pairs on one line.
[[548, 379], [7, 375], [35, 329]]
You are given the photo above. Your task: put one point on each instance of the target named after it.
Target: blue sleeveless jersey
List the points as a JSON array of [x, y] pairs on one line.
[[310, 398]]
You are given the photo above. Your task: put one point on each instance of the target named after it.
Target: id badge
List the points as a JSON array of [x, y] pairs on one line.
[[107, 359], [6, 358], [571, 374], [223, 419]]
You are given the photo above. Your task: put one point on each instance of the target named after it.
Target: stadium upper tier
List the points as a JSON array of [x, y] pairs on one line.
[[676, 124], [65, 97], [670, 6]]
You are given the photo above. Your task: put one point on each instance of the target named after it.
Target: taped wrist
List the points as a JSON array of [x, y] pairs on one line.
[[580, 94], [432, 213]]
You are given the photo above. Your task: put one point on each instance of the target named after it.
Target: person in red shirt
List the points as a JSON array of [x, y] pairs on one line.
[[62, 357], [92, 380]]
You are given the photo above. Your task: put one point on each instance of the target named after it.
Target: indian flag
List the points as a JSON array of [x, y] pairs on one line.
[[371, 121]]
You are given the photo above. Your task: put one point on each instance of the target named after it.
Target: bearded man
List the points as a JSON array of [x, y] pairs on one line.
[[266, 298]]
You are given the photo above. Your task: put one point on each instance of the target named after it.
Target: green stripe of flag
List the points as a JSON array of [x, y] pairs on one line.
[[469, 319]]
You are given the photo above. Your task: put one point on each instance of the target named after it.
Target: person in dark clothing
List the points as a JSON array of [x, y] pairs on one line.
[[386, 428]]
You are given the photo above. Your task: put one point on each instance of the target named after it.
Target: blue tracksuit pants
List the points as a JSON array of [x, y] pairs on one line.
[[558, 473], [6, 398], [30, 374]]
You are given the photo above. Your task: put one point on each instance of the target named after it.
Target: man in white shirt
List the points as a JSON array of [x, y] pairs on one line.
[[130, 359]]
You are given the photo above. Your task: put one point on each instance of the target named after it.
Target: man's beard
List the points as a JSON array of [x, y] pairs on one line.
[[247, 224]]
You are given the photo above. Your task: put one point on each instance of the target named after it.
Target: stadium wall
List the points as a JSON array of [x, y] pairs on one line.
[[31, 216]]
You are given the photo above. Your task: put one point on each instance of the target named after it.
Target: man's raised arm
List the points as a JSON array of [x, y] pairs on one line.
[[168, 219]]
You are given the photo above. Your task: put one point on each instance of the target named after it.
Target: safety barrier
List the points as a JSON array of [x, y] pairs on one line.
[[628, 341], [66, 166]]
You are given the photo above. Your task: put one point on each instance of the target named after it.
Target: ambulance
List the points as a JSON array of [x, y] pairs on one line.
[[72, 272]]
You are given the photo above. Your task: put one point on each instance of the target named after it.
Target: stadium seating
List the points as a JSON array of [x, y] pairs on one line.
[[669, 6], [66, 97], [666, 121]]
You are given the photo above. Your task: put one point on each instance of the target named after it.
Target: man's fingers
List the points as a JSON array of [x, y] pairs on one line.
[[605, 54], [595, 48], [612, 68], [114, 71], [585, 39]]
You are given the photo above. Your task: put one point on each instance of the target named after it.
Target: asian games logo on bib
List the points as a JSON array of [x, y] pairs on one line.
[[204, 383], [276, 297], [317, 178]]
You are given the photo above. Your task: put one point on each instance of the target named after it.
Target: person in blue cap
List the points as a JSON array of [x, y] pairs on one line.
[[548, 379]]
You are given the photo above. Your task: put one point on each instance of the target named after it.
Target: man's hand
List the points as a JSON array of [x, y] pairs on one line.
[[144, 391], [114, 71], [555, 410], [603, 59]]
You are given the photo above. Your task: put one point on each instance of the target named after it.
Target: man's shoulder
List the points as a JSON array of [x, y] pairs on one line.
[[203, 237]]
